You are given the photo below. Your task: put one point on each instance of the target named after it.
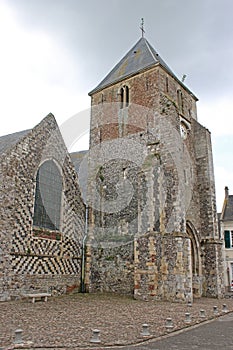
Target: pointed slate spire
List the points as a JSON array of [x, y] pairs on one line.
[[141, 56]]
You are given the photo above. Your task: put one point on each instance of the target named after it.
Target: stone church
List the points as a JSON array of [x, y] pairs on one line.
[[136, 214]]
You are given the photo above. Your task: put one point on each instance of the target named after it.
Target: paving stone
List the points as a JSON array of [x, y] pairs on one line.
[[67, 321]]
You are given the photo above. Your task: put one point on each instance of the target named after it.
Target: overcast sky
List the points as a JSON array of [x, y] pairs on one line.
[[53, 52]]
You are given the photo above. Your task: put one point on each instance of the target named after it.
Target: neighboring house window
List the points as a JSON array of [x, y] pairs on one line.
[[228, 237], [47, 205]]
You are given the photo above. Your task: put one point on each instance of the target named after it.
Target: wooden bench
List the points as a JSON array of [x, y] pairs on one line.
[[38, 296]]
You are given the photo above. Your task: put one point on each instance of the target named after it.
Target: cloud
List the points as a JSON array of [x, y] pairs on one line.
[[217, 114], [217, 117], [37, 76]]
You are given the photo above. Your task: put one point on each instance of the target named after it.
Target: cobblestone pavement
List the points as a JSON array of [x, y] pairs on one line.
[[67, 322], [210, 335]]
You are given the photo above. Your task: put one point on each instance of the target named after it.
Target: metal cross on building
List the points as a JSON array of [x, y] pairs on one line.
[[142, 27]]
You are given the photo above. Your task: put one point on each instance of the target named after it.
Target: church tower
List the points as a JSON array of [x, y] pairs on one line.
[[152, 213]]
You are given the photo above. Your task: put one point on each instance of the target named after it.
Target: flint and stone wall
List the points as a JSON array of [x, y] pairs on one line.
[[29, 262], [163, 268], [112, 269]]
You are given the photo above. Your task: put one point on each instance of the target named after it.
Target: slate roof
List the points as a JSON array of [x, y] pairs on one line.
[[228, 210], [141, 56], [8, 141]]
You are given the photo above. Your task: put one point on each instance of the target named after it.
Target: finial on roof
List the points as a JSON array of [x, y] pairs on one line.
[[142, 27]]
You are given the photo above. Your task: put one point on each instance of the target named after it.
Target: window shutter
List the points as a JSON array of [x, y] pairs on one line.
[[227, 239]]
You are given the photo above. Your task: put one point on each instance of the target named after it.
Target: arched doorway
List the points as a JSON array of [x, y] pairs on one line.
[[195, 260]]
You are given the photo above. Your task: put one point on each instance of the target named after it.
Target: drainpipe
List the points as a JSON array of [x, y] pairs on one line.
[[83, 253]]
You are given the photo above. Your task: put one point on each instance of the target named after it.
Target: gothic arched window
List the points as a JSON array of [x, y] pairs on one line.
[[122, 97], [126, 96], [167, 87], [180, 101], [47, 205]]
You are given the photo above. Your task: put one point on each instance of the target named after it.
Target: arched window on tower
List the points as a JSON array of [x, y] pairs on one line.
[[122, 98], [48, 196], [180, 101], [126, 96], [167, 87]]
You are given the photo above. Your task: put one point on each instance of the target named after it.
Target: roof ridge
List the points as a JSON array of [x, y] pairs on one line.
[[16, 132], [10, 140], [148, 46]]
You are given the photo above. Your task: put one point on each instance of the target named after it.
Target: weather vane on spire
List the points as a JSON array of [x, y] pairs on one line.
[[142, 27]]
